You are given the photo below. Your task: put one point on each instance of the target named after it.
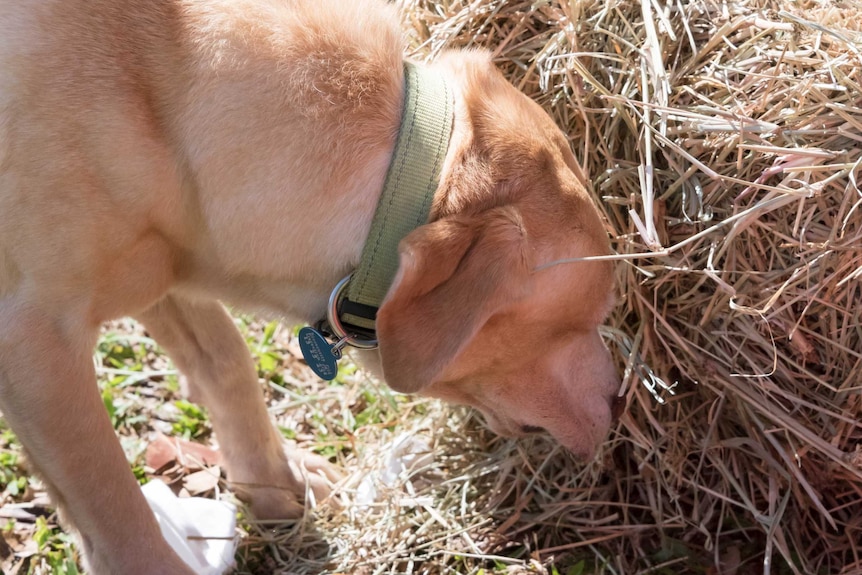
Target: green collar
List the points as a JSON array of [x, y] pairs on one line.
[[405, 203]]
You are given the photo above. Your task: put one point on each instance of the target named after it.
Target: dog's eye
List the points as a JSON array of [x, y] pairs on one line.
[[532, 429]]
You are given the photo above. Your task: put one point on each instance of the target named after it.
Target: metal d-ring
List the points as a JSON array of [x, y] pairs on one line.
[[335, 323]]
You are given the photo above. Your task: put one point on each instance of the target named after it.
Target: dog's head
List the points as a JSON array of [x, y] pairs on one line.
[[469, 318]]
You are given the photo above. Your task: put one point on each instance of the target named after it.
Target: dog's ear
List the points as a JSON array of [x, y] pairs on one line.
[[453, 275]]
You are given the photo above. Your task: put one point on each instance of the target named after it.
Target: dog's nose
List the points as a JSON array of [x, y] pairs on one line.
[[618, 406]]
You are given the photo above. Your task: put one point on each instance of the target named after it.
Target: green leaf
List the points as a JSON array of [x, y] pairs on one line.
[[268, 361], [108, 400], [268, 332], [42, 533]]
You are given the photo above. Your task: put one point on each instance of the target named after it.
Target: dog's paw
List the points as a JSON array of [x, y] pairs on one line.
[[316, 475], [305, 481]]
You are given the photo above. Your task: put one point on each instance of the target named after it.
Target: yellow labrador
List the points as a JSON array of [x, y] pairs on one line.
[[157, 156]]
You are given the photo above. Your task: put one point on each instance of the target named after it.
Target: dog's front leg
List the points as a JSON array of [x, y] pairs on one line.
[[49, 397], [208, 349]]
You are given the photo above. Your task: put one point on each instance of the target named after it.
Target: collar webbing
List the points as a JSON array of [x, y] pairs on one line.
[[412, 179]]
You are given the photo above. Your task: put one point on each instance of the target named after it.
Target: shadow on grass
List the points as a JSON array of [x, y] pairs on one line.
[[273, 547]]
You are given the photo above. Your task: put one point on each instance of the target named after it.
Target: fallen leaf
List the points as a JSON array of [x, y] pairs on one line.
[[163, 451], [160, 453], [202, 481]]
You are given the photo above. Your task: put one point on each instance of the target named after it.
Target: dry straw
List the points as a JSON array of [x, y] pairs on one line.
[[723, 140]]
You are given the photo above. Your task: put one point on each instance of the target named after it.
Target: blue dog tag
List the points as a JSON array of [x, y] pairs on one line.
[[322, 357]]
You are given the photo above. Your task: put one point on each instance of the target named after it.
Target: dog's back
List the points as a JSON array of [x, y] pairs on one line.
[[82, 162], [130, 129]]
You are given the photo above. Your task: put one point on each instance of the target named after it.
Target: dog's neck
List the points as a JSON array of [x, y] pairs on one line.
[[411, 183], [405, 204]]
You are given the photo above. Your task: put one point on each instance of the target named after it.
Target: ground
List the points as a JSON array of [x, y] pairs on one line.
[[428, 488]]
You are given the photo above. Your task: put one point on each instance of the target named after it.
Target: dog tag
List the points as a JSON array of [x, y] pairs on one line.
[[320, 355]]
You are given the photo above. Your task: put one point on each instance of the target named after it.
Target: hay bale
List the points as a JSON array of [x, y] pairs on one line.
[[725, 142]]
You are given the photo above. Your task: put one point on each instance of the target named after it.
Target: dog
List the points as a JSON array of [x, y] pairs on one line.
[[158, 157]]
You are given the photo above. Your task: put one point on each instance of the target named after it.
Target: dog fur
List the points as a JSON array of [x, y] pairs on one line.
[[160, 156]]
